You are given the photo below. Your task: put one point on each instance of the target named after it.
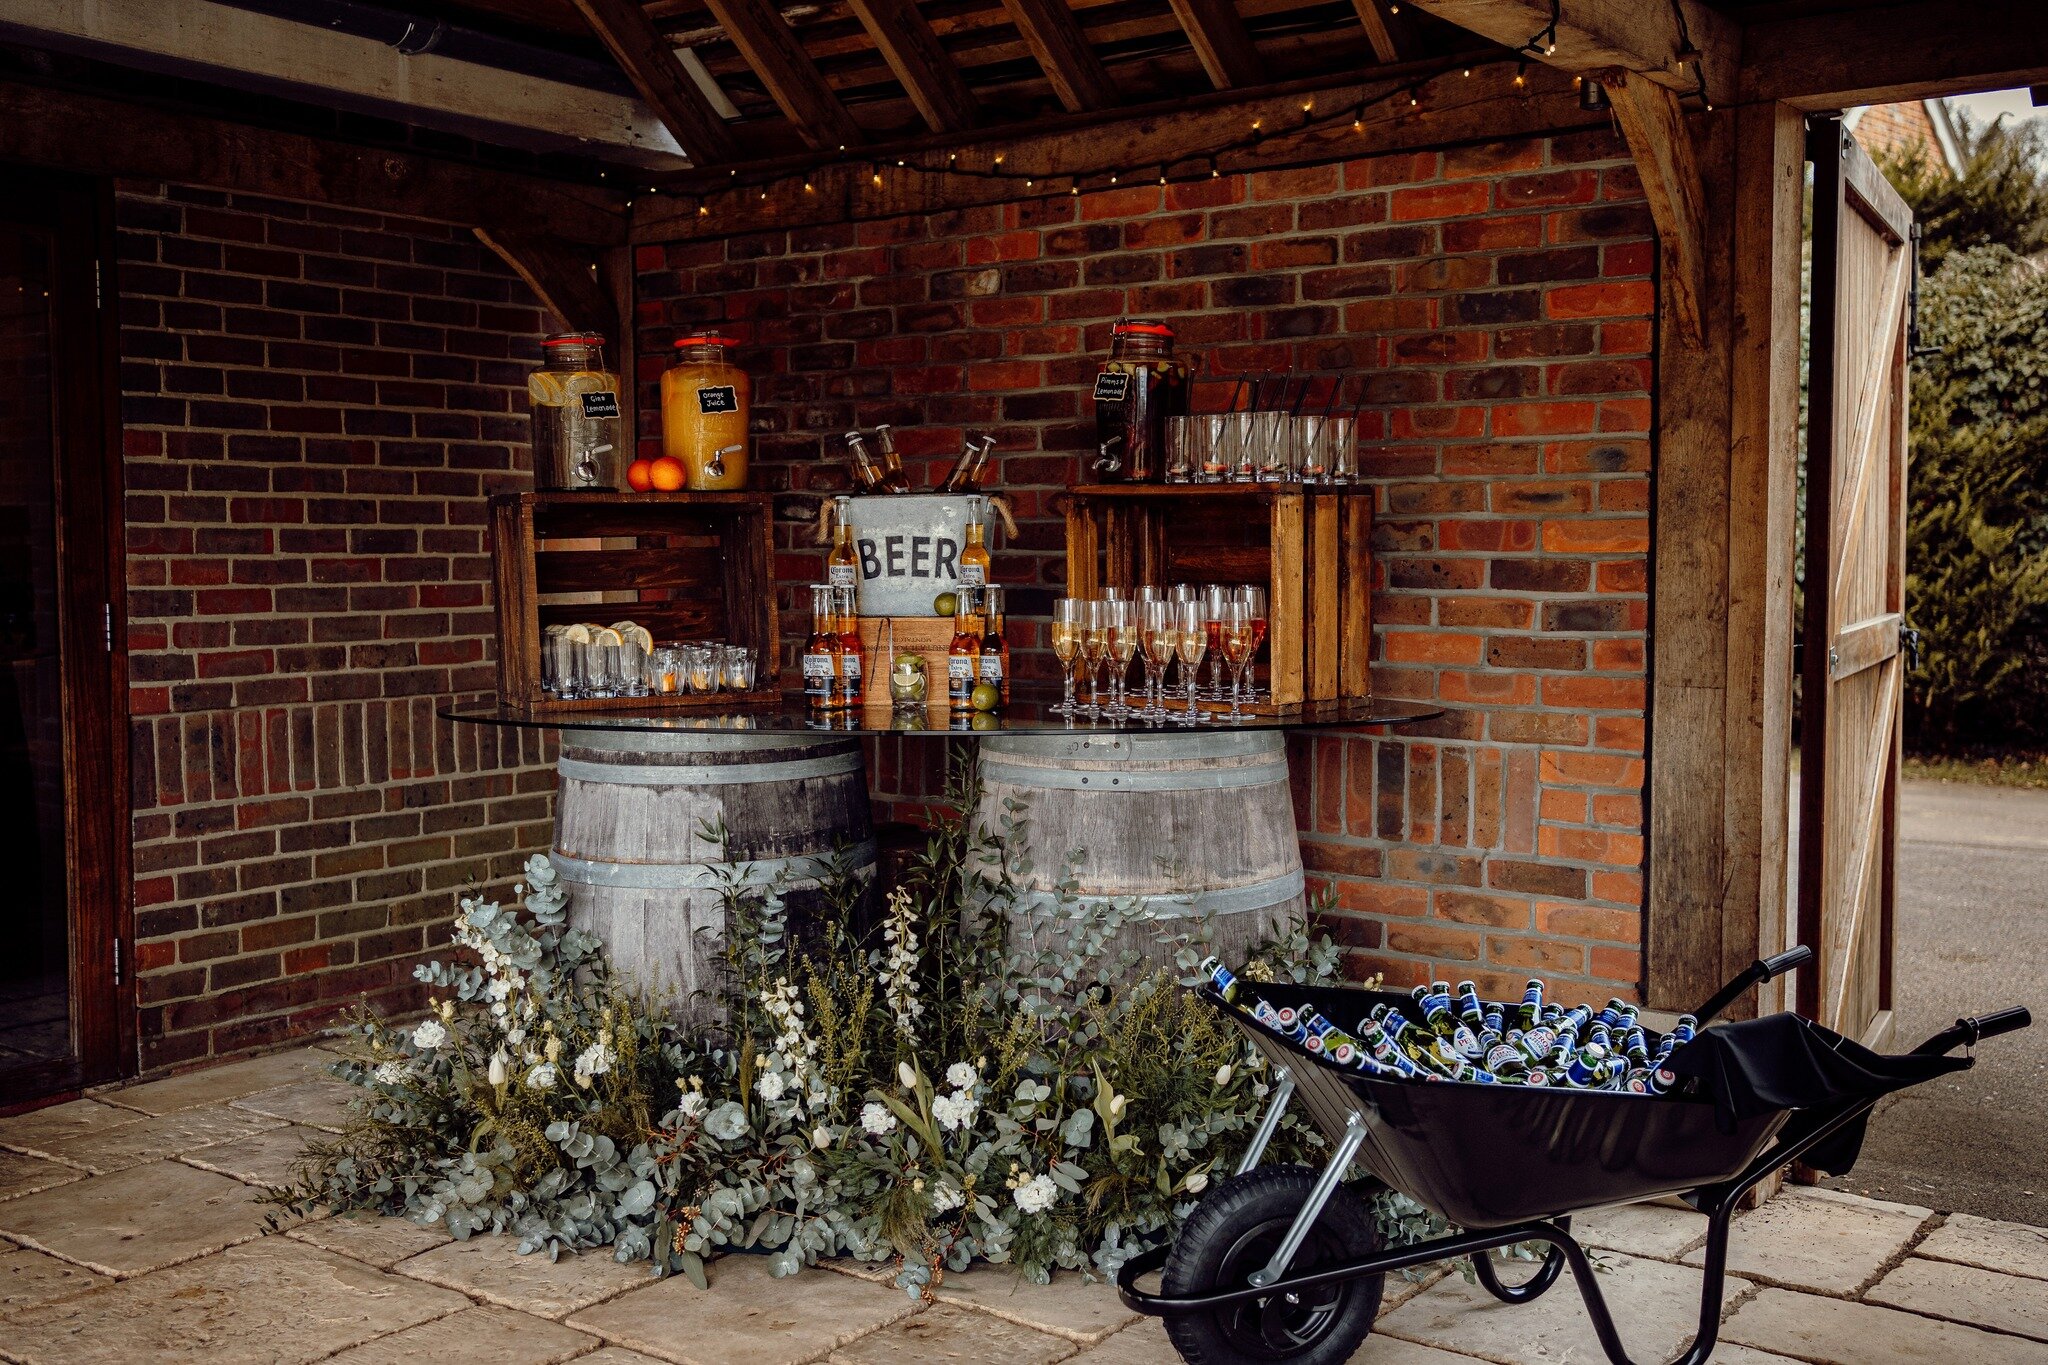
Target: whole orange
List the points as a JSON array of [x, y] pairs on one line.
[[666, 473], [640, 475]]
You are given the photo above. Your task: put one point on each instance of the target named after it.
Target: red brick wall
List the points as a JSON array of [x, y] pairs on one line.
[[316, 403], [1497, 302]]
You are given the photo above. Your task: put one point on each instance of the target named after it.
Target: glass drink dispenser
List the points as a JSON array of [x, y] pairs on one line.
[[705, 400], [578, 435], [1141, 386]]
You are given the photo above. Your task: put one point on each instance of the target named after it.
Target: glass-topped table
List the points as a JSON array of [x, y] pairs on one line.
[[1029, 713]]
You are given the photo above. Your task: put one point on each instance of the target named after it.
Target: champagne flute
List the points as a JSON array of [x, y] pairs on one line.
[[1067, 628], [1095, 649], [1254, 598], [1161, 638], [1193, 643], [1237, 650], [1123, 644], [1215, 597]]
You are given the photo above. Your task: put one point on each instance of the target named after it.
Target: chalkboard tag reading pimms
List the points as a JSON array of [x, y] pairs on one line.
[[1112, 387]]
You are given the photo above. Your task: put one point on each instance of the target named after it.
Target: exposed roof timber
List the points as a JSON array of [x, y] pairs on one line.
[[95, 135], [1220, 39], [1594, 35], [1054, 36], [1183, 134], [1900, 52], [1376, 30], [649, 62], [563, 276], [763, 37], [247, 50], [920, 64], [1654, 127]]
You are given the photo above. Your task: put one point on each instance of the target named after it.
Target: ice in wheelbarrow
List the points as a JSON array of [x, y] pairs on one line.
[[1460, 1037]]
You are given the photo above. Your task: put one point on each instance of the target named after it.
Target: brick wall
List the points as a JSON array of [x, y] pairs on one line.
[[316, 403], [1496, 302]]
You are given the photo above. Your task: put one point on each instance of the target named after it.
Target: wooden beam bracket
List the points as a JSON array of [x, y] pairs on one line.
[[564, 276], [1654, 128]]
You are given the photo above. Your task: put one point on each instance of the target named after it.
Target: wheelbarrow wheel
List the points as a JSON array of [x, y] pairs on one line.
[[1232, 1233]]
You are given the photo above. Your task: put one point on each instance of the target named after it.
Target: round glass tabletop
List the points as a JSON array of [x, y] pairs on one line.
[[1027, 713]]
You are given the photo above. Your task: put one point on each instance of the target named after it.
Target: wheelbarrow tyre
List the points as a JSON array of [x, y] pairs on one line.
[[1232, 1233]]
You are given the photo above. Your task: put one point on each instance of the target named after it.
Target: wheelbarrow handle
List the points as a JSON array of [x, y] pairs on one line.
[[1763, 969], [1970, 1032]]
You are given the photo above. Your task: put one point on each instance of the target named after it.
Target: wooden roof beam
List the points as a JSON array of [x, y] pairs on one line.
[[1644, 36], [563, 275], [1654, 128], [905, 39], [777, 56], [1221, 42], [1377, 31], [1054, 36], [1823, 62], [650, 63]]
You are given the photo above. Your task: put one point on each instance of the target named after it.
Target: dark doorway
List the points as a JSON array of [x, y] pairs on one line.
[[63, 807]]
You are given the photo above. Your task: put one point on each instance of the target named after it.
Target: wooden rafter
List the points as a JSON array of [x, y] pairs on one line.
[[650, 63], [1823, 61], [563, 275], [1654, 128], [1645, 36], [773, 50], [905, 39], [1377, 31], [1221, 42], [1054, 36]]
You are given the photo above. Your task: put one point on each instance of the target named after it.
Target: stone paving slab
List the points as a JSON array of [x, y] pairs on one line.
[[317, 1103], [1655, 1230], [152, 1138], [379, 1242], [21, 1174], [747, 1317], [37, 1131], [615, 1355], [490, 1268], [272, 1302], [2012, 1248], [138, 1219], [1655, 1306], [29, 1277], [1069, 1307], [1836, 1332], [497, 1335], [263, 1158], [945, 1335], [1938, 1289], [219, 1084], [1819, 1240]]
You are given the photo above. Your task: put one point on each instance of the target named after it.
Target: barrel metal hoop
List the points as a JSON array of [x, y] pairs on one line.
[[706, 775], [1174, 905], [1127, 779], [802, 872]]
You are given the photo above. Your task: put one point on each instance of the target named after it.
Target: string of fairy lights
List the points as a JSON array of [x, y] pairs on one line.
[[1205, 165]]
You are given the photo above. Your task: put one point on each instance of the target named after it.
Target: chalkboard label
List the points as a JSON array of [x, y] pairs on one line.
[[724, 398], [1112, 386], [600, 404]]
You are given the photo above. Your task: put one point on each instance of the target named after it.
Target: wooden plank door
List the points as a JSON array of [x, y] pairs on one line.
[[1853, 674]]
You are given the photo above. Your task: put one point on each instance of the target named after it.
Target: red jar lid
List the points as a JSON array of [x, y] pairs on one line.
[[575, 339], [1143, 329], [706, 339]]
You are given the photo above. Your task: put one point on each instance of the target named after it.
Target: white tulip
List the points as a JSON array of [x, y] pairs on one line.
[[498, 1065], [906, 1075], [1224, 1073], [1197, 1182], [1116, 1106]]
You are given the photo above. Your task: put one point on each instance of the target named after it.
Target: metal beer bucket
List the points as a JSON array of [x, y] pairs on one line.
[[909, 548]]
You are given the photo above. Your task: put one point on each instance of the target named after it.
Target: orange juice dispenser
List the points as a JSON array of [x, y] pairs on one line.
[[705, 402]]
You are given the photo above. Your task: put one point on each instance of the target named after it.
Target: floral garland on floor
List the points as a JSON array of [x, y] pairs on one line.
[[934, 1090]]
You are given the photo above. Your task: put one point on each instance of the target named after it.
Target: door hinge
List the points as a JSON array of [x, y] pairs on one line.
[[99, 296], [107, 619], [117, 961]]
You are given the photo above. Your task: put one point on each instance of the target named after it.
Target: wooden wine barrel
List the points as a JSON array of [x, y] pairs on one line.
[[1186, 825], [631, 820]]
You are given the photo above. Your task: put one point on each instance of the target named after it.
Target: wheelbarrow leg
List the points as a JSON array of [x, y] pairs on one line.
[[1269, 1123], [1712, 1284], [1312, 1208]]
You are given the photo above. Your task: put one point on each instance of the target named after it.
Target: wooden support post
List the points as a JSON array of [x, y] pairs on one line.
[[1286, 599], [1354, 590], [564, 277], [650, 63], [1054, 36], [1676, 43], [919, 62], [763, 37], [1654, 128], [1323, 618]]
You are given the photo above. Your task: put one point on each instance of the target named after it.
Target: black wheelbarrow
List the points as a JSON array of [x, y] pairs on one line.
[[1285, 1263]]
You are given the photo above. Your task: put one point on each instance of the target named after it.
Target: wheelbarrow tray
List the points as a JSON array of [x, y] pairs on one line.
[[1485, 1156]]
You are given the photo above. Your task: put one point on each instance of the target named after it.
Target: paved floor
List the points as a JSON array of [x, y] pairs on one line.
[[1973, 936], [128, 1232]]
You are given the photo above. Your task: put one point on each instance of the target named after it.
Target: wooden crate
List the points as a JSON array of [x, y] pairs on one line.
[[1311, 547], [688, 566], [930, 636]]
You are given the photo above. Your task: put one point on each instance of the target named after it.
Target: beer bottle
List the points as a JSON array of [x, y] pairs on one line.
[[974, 554], [842, 565], [1530, 1013], [1577, 1018], [865, 471], [992, 649], [893, 479], [821, 654], [1221, 977], [964, 653], [1469, 1008], [852, 657], [1636, 1047], [1424, 1049]]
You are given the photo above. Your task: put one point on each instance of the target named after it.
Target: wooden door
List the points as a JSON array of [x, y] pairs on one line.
[[1853, 673]]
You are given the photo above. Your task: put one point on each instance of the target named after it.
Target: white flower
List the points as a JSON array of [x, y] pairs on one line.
[[693, 1104], [498, 989], [1224, 1073], [821, 1137], [876, 1118], [594, 1060], [1116, 1106], [961, 1076], [393, 1073], [1196, 1182], [945, 1198], [769, 1085], [499, 1062], [429, 1036], [1037, 1194], [905, 1074], [541, 1077], [954, 1111], [515, 1036]]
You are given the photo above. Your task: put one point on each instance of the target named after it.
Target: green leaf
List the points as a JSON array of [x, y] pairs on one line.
[[693, 1266]]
